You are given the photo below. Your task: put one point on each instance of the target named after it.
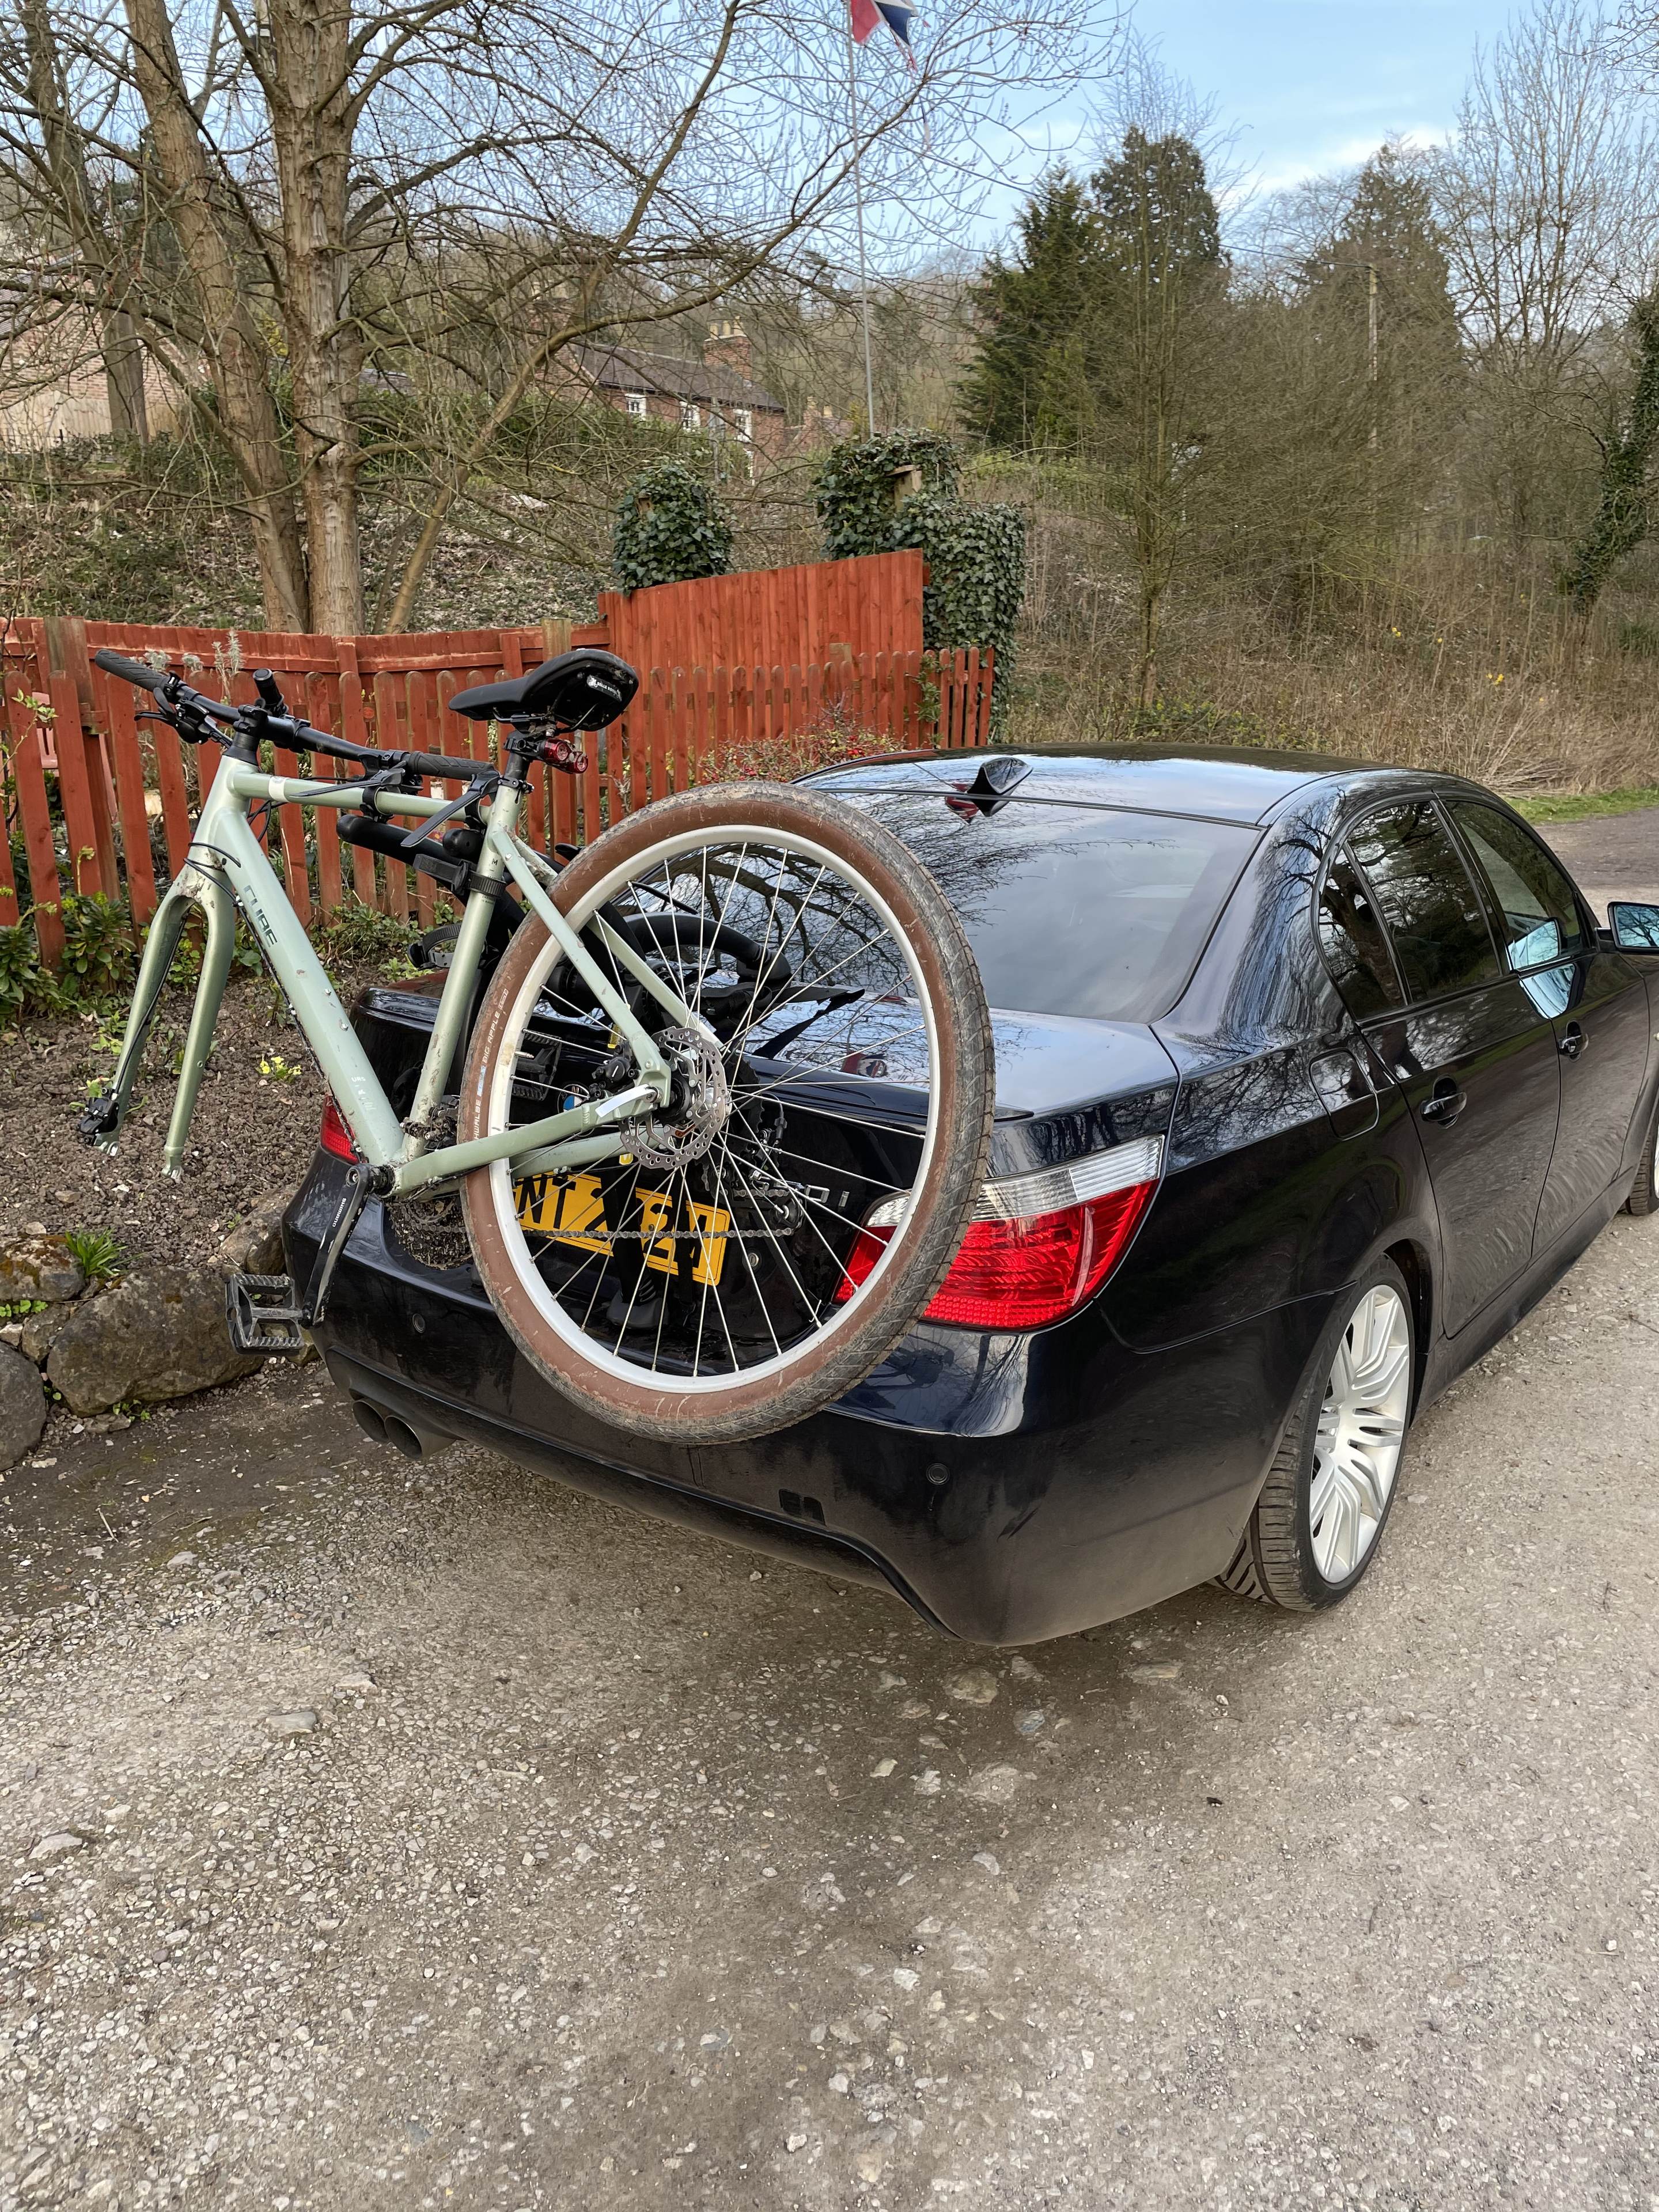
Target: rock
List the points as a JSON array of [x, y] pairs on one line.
[[254, 1247], [870, 2160], [182, 1559], [794, 2142], [358, 1684], [1029, 1723], [994, 1785], [57, 1845], [36, 1266], [927, 1782], [22, 1406], [840, 2083], [40, 1331], [882, 1769], [978, 1686], [906, 1976], [990, 1861], [159, 1334], [287, 1725], [11, 1333]]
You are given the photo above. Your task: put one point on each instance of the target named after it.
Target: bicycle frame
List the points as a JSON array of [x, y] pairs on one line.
[[226, 872]]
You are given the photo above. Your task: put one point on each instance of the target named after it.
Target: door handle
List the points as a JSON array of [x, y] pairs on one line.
[[1444, 1102], [1572, 1042]]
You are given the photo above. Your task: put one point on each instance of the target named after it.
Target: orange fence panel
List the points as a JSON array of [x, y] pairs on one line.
[[806, 656]]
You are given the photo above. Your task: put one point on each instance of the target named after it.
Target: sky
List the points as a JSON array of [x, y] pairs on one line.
[[1317, 84]]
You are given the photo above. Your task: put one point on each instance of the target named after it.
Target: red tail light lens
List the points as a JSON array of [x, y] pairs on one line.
[[1038, 1246], [334, 1136]]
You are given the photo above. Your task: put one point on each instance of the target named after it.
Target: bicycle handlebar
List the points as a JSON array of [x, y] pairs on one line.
[[131, 671], [170, 691]]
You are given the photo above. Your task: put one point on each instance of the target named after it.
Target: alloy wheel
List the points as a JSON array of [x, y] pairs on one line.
[[1362, 1427]]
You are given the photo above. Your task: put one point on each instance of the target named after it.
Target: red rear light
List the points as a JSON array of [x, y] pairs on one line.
[[334, 1136], [1037, 1246]]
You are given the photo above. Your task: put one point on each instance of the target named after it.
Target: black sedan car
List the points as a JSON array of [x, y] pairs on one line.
[[1312, 1078]]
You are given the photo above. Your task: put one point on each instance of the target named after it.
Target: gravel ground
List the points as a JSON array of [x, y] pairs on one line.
[[436, 1838], [643, 1874]]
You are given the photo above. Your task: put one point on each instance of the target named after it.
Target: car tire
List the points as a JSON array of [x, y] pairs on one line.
[[1643, 1198], [1320, 1518]]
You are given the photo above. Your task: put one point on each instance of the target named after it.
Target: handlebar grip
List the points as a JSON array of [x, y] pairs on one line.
[[453, 767], [270, 691], [131, 671]]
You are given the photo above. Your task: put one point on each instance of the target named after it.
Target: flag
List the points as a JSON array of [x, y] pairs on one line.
[[897, 14]]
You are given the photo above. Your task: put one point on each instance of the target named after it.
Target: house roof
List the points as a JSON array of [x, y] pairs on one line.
[[631, 368]]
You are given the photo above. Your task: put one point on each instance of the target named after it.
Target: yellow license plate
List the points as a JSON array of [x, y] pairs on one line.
[[571, 1210]]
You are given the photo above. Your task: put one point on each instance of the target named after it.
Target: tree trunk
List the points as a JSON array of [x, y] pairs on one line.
[[78, 208], [237, 355], [311, 130], [124, 377]]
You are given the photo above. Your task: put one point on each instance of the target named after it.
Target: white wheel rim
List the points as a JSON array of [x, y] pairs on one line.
[[1361, 1432], [498, 1103]]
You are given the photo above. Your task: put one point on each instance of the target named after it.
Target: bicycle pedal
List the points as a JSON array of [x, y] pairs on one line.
[[261, 1314]]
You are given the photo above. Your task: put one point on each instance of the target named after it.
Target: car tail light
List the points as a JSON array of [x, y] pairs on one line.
[[1037, 1246], [334, 1136]]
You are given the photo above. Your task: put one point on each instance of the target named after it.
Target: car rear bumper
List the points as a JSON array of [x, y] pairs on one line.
[[1009, 1488]]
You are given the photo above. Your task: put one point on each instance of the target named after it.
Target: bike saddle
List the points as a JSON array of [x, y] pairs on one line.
[[580, 690]]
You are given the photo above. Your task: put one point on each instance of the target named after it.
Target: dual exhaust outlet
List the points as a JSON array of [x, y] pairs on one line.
[[387, 1428]]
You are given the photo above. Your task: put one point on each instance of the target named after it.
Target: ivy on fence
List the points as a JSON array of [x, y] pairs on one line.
[[884, 495]]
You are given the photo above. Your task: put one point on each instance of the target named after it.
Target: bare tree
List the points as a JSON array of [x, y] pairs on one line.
[[382, 229], [1548, 201]]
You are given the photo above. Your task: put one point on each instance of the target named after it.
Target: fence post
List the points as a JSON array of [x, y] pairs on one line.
[[29, 772], [80, 770]]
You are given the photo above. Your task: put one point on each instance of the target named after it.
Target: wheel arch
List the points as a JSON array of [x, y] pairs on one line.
[[1414, 1265]]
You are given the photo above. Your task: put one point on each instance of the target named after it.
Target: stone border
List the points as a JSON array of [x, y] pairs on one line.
[[156, 1334]]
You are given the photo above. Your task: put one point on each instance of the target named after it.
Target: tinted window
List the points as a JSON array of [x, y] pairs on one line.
[[1532, 896], [1071, 909], [1434, 922], [1356, 950]]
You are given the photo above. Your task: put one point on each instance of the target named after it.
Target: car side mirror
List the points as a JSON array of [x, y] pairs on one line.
[[1635, 927]]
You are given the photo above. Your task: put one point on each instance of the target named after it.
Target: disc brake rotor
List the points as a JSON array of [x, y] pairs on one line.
[[701, 1104]]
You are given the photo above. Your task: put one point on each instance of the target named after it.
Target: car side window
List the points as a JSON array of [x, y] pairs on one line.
[[1352, 939], [1429, 907], [1531, 893]]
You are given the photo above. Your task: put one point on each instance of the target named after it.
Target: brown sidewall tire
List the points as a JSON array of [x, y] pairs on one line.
[[922, 1250]]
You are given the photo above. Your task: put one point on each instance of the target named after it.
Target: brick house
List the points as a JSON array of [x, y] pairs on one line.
[[716, 395]]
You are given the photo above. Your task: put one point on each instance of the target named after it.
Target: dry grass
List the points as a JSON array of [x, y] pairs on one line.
[[1456, 661]]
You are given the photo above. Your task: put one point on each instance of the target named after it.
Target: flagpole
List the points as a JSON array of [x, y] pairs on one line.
[[858, 204]]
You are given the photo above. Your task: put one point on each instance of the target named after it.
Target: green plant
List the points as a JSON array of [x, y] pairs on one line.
[[98, 952], [23, 982], [356, 936], [877, 495], [97, 1255], [276, 1069], [861, 484], [669, 529]]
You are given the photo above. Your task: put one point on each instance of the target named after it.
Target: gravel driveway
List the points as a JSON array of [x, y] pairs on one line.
[[464, 1842]]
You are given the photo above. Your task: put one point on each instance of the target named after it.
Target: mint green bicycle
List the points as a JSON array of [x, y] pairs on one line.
[[715, 1093]]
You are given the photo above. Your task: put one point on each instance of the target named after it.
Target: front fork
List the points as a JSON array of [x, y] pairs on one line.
[[193, 887]]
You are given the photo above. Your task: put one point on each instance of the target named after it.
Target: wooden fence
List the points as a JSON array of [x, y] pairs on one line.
[[101, 803]]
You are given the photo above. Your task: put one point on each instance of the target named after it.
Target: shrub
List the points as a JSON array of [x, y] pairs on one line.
[[975, 555], [669, 529], [98, 950], [23, 983]]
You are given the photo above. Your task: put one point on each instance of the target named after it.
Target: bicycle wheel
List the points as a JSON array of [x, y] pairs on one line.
[[767, 1239]]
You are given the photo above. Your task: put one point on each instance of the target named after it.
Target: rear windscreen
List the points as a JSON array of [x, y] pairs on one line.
[[1073, 910]]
